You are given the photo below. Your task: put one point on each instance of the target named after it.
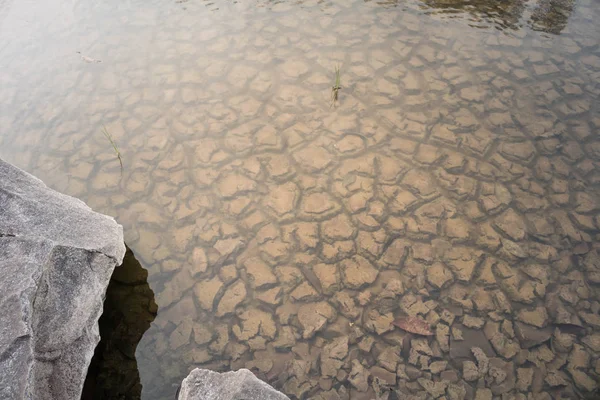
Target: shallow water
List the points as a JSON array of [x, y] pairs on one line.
[[455, 179]]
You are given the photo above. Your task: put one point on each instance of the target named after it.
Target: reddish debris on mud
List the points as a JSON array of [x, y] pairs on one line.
[[413, 325]]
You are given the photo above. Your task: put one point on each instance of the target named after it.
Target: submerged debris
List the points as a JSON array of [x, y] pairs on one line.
[[413, 325], [88, 59]]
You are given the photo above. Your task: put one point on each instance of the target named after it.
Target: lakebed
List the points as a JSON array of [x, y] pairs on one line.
[[454, 179]]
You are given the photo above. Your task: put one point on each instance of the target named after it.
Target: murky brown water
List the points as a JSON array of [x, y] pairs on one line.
[[456, 179]]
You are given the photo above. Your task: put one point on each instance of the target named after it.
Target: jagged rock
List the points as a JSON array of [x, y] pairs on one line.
[[438, 275], [404, 374], [206, 292], [447, 316], [233, 296], [530, 336], [556, 378], [377, 322], [442, 335], [285, 338], [332, 356], [346, 305], [181, 335], [294, 386], [590, 318], [462, 261], [437, 366], [456, 391], [282, 199], [505, 347], [511, 224], [482, 360], [503, 377], [389, 378], [314, 316], [579, 357], [366, 343], [395, 253], [203, 384], [359, 376], [562, 342], [254, 322], [327, 276], [537, 317], [56, 259], [421, 346], [338, 228], [497, 375], [358, 272], [524, 378], [473, 322], [583, 380], [318, 205], [304, 292], [259, 273], [592, 341], [470, 371], [457, 333], [234, 184], [435, 389], [419, 359], [389, 358]]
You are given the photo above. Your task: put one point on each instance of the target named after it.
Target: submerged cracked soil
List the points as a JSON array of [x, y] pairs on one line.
[[456, 180]]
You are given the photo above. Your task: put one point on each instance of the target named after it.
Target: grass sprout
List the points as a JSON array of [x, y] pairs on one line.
[[336, 87], [114, 145]]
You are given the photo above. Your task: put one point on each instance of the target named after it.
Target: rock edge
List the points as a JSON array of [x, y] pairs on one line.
[[56, 259], [204, 384]]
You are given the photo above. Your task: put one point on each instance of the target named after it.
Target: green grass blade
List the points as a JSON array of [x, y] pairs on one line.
[[114, 146], [336, 87]]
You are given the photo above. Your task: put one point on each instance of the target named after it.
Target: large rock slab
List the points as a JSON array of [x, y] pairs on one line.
[[56, 259], [204, 384]]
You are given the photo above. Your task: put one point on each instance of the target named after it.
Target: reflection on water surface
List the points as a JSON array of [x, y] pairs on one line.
[[456, 180], [483, 13]]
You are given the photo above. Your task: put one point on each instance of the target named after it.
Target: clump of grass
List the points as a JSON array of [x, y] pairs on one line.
[[336, 87], [114, 145]]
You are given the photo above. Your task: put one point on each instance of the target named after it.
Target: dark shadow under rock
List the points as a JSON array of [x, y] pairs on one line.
[[129, 309]]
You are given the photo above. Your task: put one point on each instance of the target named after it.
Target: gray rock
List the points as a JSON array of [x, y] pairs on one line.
[[482, 360], [32, 210], [359, 376], [530, 336], [503, 376], [332, 356], [56, 259], [203, 384]]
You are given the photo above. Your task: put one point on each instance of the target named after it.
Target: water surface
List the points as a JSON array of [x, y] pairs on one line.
[[455, 180]]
